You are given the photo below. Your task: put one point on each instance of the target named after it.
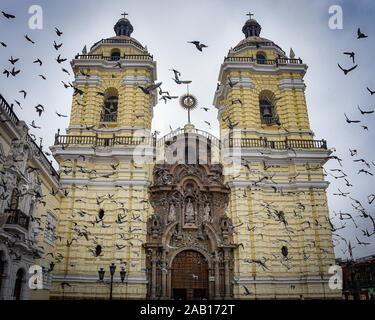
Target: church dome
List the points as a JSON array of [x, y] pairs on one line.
[[123, 27], [251, 28]]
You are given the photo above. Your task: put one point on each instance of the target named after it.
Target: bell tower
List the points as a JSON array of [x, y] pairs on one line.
[[278, 199], [102, 218], [107, 79]]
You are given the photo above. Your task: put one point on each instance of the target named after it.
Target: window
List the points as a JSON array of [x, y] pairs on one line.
[[261, 58], [18, 284], [267, 108], [109, 113], [115, 54], [50, 228]]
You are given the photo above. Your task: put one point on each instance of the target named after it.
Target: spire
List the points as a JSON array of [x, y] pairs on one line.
[[123, 27], [252, 27]]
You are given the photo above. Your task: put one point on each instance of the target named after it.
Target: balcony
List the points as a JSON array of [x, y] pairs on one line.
[[17, 221], [279, 145], [277, 61], [114, 58], [94, 140], [108, 117]]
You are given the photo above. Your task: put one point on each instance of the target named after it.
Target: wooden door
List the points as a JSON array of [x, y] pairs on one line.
[[190, 272]]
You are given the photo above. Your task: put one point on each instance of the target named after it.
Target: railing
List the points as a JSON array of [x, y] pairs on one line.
[[66, 140], [257, 44], [108, 117], [280, 145], [114, 58], [276, 61], [215, 141], [9, 110], [17, 217], [112, 41], [37, 150]]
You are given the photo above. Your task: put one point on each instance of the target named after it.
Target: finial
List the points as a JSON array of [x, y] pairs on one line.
[[84, 51], [125, 14], [249, 14], [291, 54]]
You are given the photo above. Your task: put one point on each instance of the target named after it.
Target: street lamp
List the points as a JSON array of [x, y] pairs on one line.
[[122, 274], [112, 269]]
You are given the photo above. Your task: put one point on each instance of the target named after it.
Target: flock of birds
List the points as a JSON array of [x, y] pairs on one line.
[[126, 216], [359, 207]]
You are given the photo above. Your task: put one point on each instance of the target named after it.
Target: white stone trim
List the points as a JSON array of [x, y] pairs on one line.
[[93, 79], [95, 279], [281, 280], [127, 182], [284, 186], [292, 83]]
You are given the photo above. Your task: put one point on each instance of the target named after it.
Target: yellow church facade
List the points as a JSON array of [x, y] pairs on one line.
[[189, 215]]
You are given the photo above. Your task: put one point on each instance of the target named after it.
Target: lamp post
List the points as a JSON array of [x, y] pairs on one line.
[[112, 269]]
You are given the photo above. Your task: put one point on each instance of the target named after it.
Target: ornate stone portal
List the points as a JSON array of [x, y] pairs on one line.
[[189, 228]]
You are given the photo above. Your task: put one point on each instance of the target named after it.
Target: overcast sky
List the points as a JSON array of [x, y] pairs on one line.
[[165, 26]]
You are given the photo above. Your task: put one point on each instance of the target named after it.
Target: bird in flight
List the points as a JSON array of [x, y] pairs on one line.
[[57, 46], [61, 115], [28, 39], [365, 112], [34, 125], [351, 54], [148, 89], [38, 61], [346, 71], [14, 72], [8, 15], [13, 61], [24, 93], [59, 60], [3, 44], [369, 90], [39, 109], [350, 121], [198, 45], [176, 73], [360, 35], [58, 32]]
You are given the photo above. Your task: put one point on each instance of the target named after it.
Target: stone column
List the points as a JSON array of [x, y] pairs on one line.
[[217, 278], [164, 277], [226, 274], [153, 274]]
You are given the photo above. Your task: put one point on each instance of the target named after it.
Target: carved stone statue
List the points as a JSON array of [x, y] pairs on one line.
[[172, 213], [207, 211], [189, 212]]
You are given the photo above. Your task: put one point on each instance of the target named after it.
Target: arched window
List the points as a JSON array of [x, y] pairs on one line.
[[18, 284], [109, 113], [261, 58], [115, 54], [267, 108]]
